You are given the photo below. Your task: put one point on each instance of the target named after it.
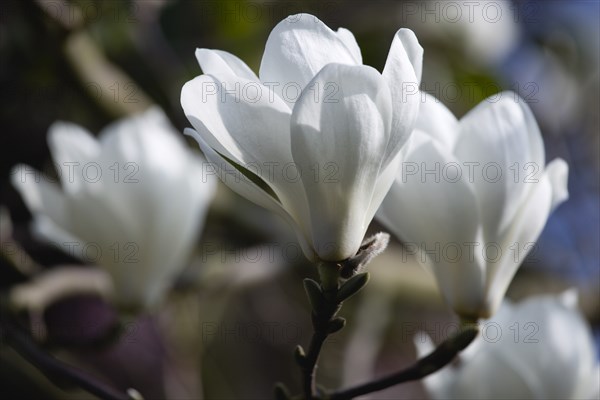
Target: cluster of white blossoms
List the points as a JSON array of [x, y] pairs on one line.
[[313, 103], [363, 127]]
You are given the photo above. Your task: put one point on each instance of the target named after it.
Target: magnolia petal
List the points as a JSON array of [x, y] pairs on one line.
[[40, 195], [95, 220], [69, 142], [525, 229], [243, 186], [64, 222], [413, 49], [71, 147], [176, 227], [255, 135], [437, 121], [146, 149], [350, 41], [246, 131], [400, 73], [534, 363], [156, 229], [144, 137], [217, 62], [296, 50], [444, 229], [502, 138], [558, 173], [447, 203], [521, 379], [348, 132], [589, 385], [572, 360], [382, 187], [569, 298], [171, 224]]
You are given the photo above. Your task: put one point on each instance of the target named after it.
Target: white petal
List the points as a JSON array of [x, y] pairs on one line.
[[253, 134], [437, 121], [348, 38], [153, 229], [172, 216], [532, 361], [243, 130], [348, 132], [71, 142], [502, 137], [147, 136], [558, 173], [413, 49], [46, 229], [69, 224], [40, 195], [559, 365], [436, 217], [569, 298], [508, 383], [384, 182], [71, 147], [297, 48], [146, 151], [400, 72], [523, 232], [423, 344], [243, 186], [445, 204], [216, 62]]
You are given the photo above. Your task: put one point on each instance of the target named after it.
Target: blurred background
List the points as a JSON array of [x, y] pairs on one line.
[[229, 328]]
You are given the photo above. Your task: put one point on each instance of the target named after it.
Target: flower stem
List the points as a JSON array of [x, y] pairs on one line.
[[325, 308], [441, 356], [309, 381]]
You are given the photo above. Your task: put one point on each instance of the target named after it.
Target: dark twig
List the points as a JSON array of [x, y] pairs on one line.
[[339, 282], [310, 367], [325, 305], [442, 356], [53, 368]]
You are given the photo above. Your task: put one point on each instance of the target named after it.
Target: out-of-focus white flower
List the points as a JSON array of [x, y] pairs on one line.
[[319, 131], [131, 201], [470, 27], [541, 348], [472, 196]]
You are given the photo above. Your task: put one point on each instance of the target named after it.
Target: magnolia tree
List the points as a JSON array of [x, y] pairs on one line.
[[315, 104]]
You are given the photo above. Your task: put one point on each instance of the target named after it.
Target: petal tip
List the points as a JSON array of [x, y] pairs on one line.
[[558, 173], [569, 298]]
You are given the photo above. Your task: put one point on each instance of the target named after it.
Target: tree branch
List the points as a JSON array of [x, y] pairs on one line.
[[441, 356]]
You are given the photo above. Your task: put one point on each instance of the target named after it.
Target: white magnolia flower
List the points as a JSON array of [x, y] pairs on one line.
[[469, 28], [472, 196], [319, 131], [130, 201], [541, 348]]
